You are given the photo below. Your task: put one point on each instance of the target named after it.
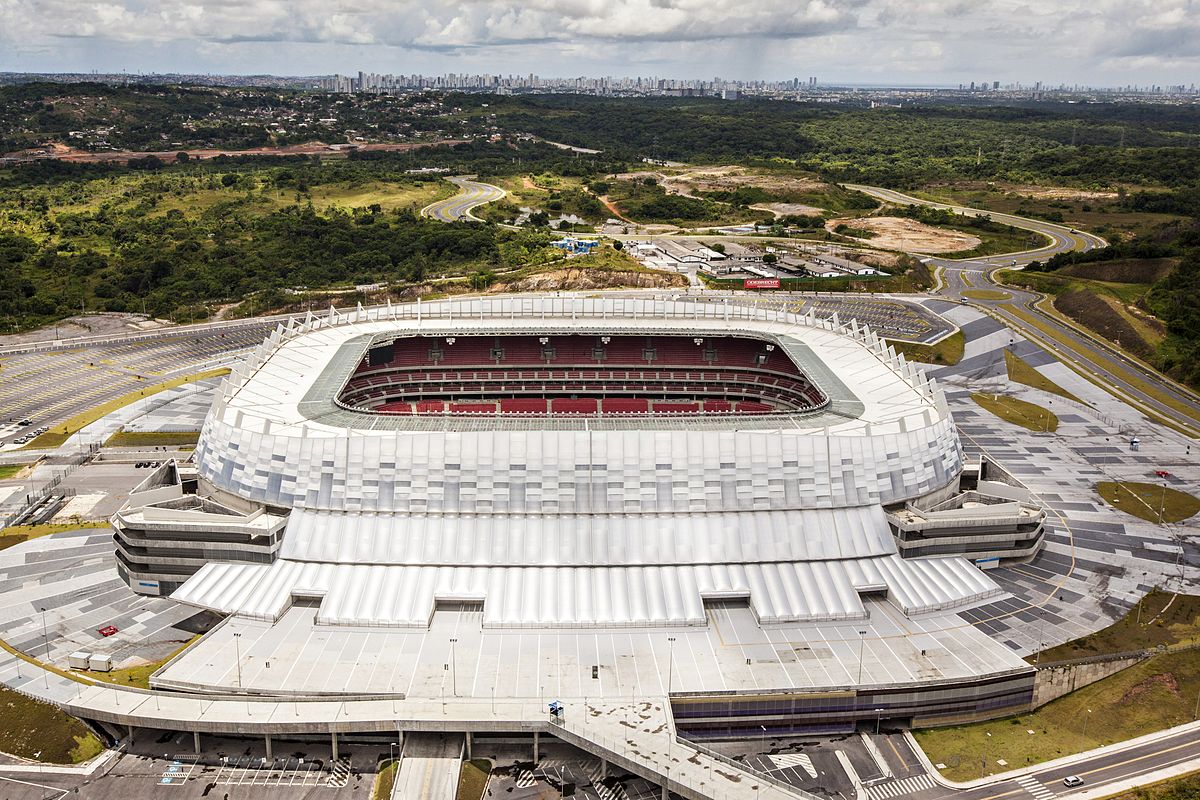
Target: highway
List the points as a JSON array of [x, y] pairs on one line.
[[1136, 383], [471, 195]]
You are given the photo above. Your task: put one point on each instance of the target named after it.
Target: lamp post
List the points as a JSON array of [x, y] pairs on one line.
[[670, 663], [1085, 722], [237, 657], [46, 638], [861, 643], [453, 668], [878, 714]]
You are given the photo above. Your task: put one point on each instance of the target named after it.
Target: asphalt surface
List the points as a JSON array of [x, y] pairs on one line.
[[471, 195], [1139, 385]]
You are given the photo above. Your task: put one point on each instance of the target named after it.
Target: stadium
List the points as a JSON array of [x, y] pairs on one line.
[[547, 497]]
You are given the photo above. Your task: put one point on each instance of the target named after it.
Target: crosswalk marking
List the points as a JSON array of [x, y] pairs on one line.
[[1035, 787], [802, 760], [917, 783]]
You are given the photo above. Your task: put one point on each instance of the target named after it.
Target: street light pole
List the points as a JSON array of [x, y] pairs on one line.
[[453, 668], [46, 638], [861, 643], [237, 657], [670, 663]]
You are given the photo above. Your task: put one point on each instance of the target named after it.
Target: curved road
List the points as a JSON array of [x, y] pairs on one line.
[[471, 195], [1133, 381]]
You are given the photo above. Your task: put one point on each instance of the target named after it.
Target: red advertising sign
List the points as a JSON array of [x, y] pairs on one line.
[[760, 283]]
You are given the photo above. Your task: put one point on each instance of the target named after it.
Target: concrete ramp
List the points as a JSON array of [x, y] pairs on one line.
[[430, 766]]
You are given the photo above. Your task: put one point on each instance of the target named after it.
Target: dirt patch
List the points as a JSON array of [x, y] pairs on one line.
[[576, 279], [1124, 270], [1104, 316], [1163, 680], [900, 233], [691, 182], [63, 153], [784, 209], [1064, 193]]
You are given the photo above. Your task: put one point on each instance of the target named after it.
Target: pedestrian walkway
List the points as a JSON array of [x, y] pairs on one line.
[[1035, 787], [901, 788]]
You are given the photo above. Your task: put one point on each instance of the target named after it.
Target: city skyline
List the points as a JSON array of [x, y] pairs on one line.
[[867, 42]]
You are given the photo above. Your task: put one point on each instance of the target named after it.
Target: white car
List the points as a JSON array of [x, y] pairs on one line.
[[1072, 780]]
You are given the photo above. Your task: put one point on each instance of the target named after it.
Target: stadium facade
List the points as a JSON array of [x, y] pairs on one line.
[[588, 466]]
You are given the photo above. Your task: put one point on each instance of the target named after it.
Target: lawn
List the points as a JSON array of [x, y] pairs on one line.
[[1158, 693], [152, 438], [60, 433], [40, 731], [1159, 618], [986, 294], [472, 781], [1018, 412], [10, 537], [1149, 501], [8, 470], [1185, 788], [1020, 371], [385, 779], [947, 351]]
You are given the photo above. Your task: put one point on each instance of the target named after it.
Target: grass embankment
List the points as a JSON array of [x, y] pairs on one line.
[[1019, 412], [60, 433], [1020, 371], [1155, 694], [385, 780], [9, 470], [1160, 618], [472, 780], [41, 732], [996, 242], [10, 537], [1186, 788], [139, 676], [1149, 501], [986, 294], [947, 351], [152, 438]]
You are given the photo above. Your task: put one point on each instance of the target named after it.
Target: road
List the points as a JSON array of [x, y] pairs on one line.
[[471, 195], [1134, 382]]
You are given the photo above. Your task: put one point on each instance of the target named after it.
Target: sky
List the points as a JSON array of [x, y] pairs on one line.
[[895, 42]]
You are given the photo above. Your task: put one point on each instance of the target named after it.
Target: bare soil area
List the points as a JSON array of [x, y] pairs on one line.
[[578, 279], [900, 233], [64, 153], [784, 209]]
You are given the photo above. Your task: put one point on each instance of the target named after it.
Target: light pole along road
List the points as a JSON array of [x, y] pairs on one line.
[[471, 195], [1137, 383]]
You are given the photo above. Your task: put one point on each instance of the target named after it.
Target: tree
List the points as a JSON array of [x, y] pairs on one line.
[[618, 245], [770, 258]]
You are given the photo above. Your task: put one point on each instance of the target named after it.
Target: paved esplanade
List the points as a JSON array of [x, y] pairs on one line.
[[1136, 383], [471, 195], [636, 737]]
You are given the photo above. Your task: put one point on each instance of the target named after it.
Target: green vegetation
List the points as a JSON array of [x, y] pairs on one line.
[[472, 780], [1018, 412], [1185, 788], [986, 294], [152, 438], [10, 537], [1155, 694], [947, 351], [139, 676], [1160, 618], [645, 201], [8, 470], [41, 732], [385, 780], [1020, 371], [996, 238], [60, 433], [1149, 501]]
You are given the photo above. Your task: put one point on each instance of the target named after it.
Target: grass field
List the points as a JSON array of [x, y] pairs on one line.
[[8, 470], [139, 676], [60, 433], [152, 438], [1018, 412], [472, 781], [1020, 371], [986, 294], [1158, 693], [41, 732], [385, 779], [1161, 618], [10, 537], [947, 351], [1149, 501]]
